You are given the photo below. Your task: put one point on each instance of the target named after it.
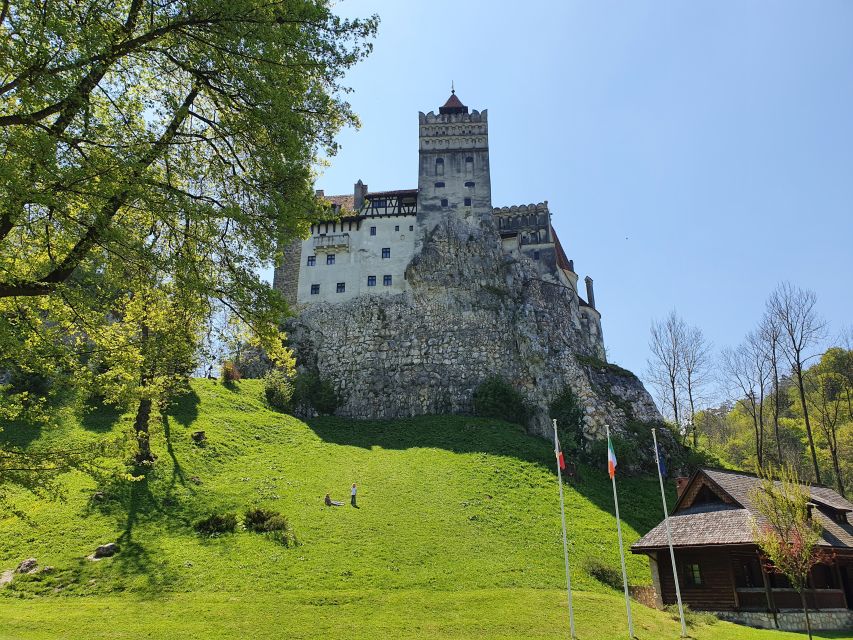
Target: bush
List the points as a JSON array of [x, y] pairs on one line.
[[691, 618], [566, 410], [272, 523], [604, 573], [312, 392], [230, 372], [278, 390], [496, 398], [217, 523]]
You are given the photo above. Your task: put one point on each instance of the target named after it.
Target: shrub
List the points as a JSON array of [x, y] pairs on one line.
[[496, 398], [230, 372], [256, 519], [566, 410], [217, 523], [272, 523], [604, 573], [312, 392], [691, 618], [278, 389]]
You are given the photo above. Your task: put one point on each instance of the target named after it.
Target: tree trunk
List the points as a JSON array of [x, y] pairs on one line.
[[140, 426], [806, 611], [673, 389], [799, 371]]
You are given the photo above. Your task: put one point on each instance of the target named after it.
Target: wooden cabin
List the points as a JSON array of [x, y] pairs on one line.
[[718, 563]]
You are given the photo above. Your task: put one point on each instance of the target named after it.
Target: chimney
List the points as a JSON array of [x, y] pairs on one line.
[[590, 294], [319, 193], [359, 191], [680, 486]]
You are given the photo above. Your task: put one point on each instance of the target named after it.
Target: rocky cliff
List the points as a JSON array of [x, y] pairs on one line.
[[472, 311]]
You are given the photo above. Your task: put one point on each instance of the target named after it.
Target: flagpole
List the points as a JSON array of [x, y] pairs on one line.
[[565, 542], [669, 538], [621, 549]]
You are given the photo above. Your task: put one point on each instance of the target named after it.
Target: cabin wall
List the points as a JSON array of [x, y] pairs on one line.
[[716, 593]]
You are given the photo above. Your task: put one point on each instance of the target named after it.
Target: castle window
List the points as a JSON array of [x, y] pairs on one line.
[[330, 258], [386, 281], [535, 255], [342, 287], [439, 185], [469, 165], [411, 227], [444, 202], [386, 253], [469, 184], [315, 289], [396, 227], [467, 202], [312, 260], [439, 166], [373, 231], [371, 281]]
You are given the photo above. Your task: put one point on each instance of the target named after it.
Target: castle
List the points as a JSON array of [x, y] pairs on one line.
[[410, 298]]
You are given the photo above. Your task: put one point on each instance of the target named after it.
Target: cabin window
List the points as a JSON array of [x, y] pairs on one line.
[[373, 231], [312, 260], [386, 281], [342, 287], [386, 253], [823, 577], [315, 289], [439, 166], [692, 575], [371, 281], [467, 202], [330, 258], [748, 573]]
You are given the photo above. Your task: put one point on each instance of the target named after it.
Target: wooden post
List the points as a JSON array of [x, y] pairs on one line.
[[734, 582], [768, 592]]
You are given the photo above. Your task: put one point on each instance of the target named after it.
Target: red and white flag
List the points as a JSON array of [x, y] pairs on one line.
[[611, 458]]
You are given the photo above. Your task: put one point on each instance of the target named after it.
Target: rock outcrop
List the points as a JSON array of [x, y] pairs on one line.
[[472, 311]]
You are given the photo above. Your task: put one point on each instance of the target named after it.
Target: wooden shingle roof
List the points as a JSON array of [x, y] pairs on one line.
[[730, 522]]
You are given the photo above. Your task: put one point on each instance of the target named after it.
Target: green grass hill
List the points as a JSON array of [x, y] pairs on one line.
[[458, 534]]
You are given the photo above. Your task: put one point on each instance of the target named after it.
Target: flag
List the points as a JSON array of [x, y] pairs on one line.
[[557, 450], [611, 459], [661, 462], [560, 460]]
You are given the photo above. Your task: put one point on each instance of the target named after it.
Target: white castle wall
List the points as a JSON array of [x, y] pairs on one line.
[[361, 258]]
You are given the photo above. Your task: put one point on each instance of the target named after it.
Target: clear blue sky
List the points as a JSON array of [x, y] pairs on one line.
[[693, 154]]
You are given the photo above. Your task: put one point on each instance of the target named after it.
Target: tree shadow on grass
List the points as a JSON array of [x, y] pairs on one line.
[[639, 503], [99, 417], [184, 408]]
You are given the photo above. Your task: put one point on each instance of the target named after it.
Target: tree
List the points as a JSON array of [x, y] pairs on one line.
[[665, 366], [770, 333], [826, 391], [695, 365], [177, 137], [802, 329], [785, 531], [747, 367]]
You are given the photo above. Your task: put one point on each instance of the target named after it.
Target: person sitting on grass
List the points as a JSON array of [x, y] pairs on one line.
[[332, 503]]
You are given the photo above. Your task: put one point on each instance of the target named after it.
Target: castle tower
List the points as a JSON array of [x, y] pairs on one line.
[[453, 172]]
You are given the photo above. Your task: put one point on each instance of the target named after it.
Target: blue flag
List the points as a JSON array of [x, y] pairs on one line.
[[661, 463]]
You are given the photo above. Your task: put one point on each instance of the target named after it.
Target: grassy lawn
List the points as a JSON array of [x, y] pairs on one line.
[[458, 534]]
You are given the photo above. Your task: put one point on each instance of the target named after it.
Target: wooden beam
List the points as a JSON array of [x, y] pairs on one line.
[[768, 592], [734, 585]]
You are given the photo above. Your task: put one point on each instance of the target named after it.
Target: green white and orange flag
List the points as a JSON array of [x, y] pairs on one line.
[[611, 459]]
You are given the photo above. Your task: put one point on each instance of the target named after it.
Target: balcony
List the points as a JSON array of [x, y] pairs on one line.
[[332, 243]]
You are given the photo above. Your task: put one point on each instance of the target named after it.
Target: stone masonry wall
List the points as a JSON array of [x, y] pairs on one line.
[[472, 311]]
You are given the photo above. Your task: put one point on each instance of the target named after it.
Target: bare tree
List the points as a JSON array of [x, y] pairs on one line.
[[770, 333], [802, 330], [695, 371], [666, 363], [748, 369]]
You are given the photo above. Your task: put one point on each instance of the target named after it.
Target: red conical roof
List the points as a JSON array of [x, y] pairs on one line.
[[453, 105]]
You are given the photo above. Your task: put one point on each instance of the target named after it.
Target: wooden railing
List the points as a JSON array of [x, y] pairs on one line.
[[755, 599]]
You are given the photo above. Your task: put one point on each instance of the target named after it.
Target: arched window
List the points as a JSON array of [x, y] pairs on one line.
[[439, 166], [439, 185], [469, 165], [470, 185]]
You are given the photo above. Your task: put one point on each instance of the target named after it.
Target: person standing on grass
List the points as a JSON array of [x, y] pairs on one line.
[[352, 493]]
